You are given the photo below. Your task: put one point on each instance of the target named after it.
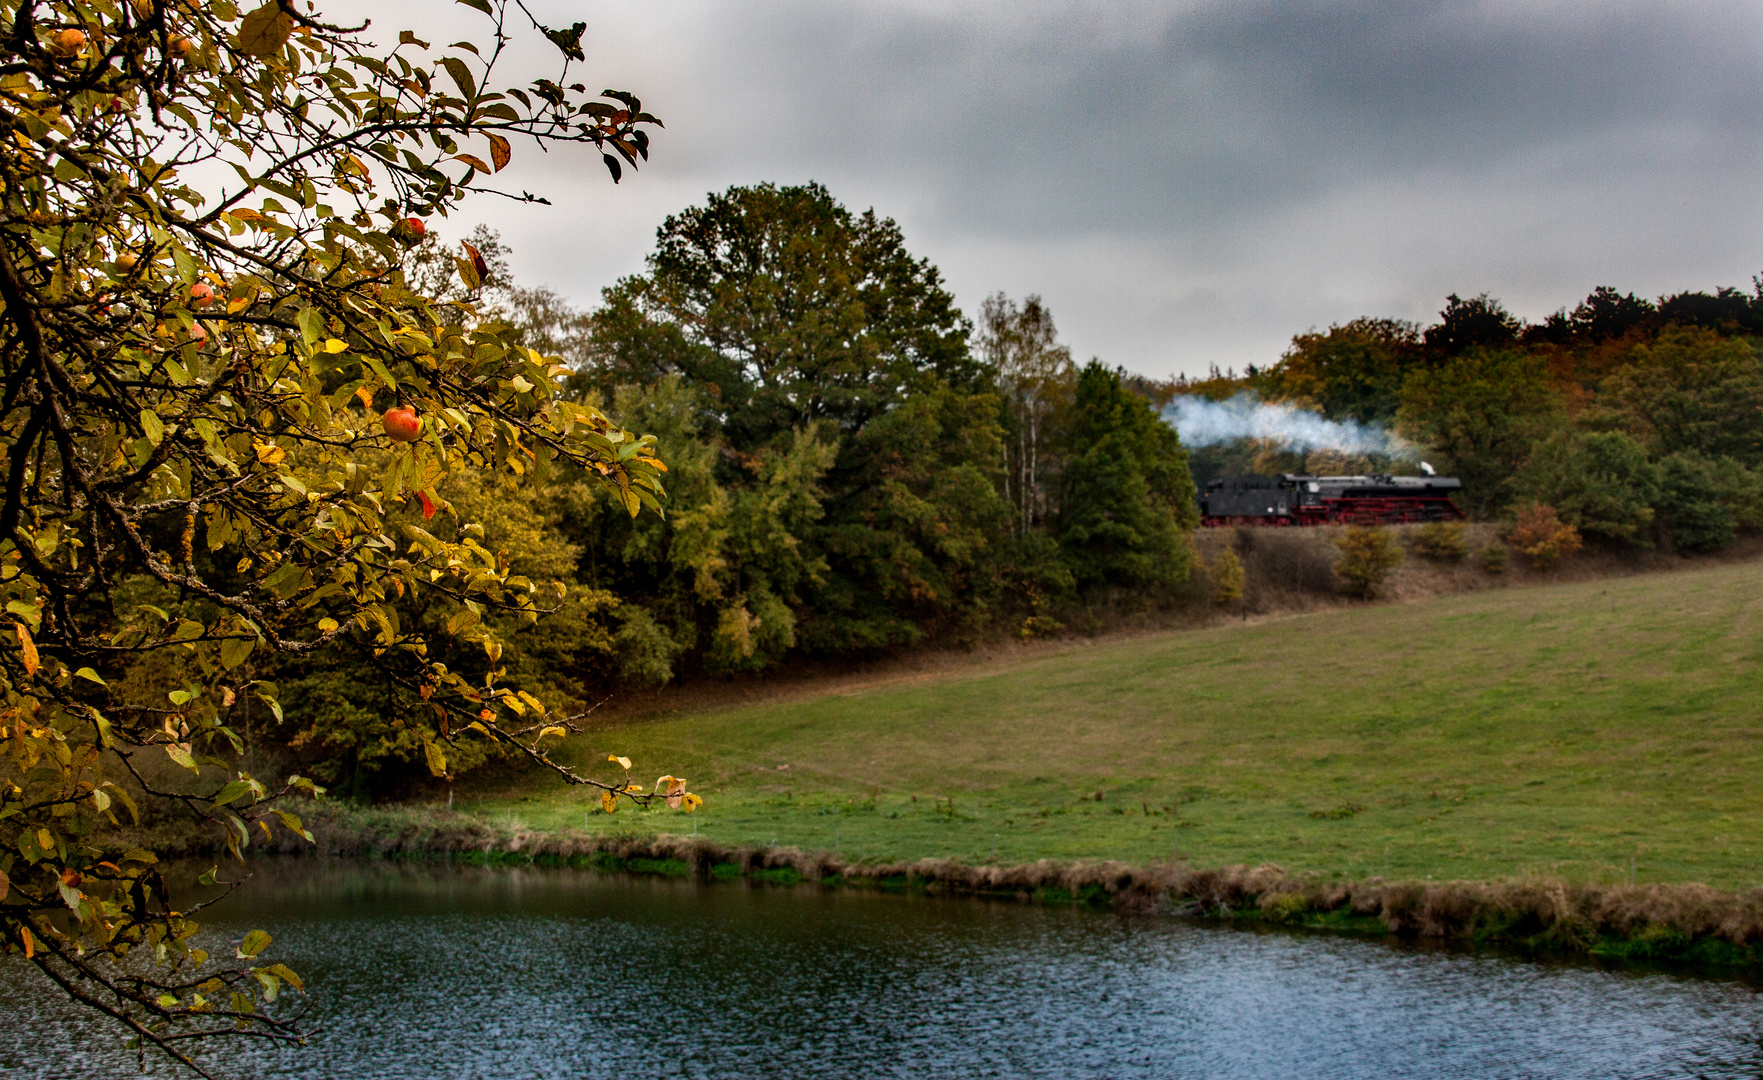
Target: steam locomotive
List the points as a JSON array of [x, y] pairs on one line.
[[1291, 499]]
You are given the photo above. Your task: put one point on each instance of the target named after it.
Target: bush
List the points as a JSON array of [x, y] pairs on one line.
[[1493, 558], [1602, 484], [1542, 537], [1226, 572], [1704, 501], [1367, 557], [1690, 504], [1442, 541]]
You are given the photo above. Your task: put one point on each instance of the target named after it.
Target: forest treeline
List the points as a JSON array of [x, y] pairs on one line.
[[855, 466], [1638, 422]]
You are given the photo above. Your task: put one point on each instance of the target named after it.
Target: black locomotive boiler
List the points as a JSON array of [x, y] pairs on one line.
[[1292, 499]]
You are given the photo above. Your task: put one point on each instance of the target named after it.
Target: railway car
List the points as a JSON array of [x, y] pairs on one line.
[[1291, 499]]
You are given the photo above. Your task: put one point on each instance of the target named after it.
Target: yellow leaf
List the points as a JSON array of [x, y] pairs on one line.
[[609, 801], [554, 731], [30, 943], [692, 802], [334, 346], [233, 307], [325, 626], [365, 395], [653, 463], [436, 758], [500, 151], [269, 453], [472, 160], [265, 30], [623, 762], [27, 647], [45, 839]]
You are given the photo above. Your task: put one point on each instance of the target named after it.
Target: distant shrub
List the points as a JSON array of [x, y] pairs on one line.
[[1542, 537], [1227, 578], [1442, 541], [1367, 557], [1493, 558], [1601, 483], [1692, 504]]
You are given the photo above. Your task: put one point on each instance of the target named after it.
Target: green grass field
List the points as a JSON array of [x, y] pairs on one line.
[[1563, 730]]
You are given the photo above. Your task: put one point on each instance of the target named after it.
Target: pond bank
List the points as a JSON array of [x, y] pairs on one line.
[[1683, 922]]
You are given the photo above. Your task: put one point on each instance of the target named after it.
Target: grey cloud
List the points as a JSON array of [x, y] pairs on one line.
[[1193, 182]]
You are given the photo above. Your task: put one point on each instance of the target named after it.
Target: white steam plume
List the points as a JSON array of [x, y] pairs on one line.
[[1203, 422]]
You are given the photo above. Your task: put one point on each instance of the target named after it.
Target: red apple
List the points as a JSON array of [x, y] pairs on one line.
[[197, 333], [401, 424], [202, 294]]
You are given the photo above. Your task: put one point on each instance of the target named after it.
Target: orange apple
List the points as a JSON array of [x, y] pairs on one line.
[[182, 48], [67, 42], [401, 424]]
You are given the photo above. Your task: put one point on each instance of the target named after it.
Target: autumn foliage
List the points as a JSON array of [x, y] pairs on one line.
[[1368, 556], [1541, 537], [207, 298]]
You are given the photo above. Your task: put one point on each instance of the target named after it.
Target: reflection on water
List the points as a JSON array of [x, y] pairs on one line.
[[428, 972]]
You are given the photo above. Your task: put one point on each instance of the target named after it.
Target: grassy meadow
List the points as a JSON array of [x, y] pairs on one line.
[[1587, 731]]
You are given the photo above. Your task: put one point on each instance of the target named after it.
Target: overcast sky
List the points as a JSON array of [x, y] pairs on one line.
[[1186, 183]]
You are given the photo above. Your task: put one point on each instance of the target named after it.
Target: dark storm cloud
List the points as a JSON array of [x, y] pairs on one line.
[[1190, 183], [1082, 117]]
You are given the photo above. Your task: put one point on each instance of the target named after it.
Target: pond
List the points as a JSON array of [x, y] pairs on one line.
[[430, 971]]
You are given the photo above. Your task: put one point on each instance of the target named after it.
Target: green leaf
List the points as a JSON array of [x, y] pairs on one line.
[[89, 675], [294, 824], [151, 426], [272, 986], [481, 5], [233, 651], [255, 942], [181, 756], [379, 369], [461, 76], [232, 791], [311, 325], [286, 974]]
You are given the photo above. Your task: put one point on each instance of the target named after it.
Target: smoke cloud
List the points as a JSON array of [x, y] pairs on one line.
[[1203, 422]]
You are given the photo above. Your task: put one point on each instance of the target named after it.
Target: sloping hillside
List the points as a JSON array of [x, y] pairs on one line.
[[1561, 729]]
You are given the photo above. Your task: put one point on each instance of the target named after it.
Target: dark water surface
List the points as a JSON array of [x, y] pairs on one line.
[[428, 972]]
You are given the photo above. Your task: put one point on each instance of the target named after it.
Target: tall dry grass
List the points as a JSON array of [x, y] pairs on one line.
[[1651, 920]]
